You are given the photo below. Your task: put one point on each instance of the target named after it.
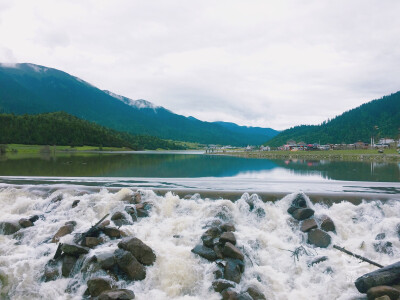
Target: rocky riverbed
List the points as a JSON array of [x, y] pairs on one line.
[[52, 246]]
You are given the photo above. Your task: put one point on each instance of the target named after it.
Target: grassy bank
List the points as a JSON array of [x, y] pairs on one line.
[[19, 148], [351, 155]]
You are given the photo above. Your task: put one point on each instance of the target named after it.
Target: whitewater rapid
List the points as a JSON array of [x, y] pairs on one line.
[[175, 226]]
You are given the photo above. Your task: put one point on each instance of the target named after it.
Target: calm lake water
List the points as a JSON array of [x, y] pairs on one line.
[[194, 170]]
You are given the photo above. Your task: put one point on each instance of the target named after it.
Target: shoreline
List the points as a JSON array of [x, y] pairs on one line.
[[345, 155]]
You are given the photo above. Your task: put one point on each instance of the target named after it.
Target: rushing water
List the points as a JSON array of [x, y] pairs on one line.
[[100, 181], [174, 228]]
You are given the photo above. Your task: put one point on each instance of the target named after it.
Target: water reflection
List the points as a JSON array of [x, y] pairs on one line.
[[178, 165]]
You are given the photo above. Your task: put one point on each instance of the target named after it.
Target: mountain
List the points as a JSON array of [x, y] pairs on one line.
[[379, 118], [60, 128], [32, 89]]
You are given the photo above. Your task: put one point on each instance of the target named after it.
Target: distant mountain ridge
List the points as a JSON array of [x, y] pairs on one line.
[[379, 118], [32, 89]]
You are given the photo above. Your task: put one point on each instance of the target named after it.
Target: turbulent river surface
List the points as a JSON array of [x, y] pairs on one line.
[[176, 223]]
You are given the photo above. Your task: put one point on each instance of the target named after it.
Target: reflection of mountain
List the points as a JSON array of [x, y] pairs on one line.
[[344, 170], [133, 165]]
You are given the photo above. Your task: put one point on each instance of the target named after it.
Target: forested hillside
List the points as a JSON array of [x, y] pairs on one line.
[[379, 118], [60, 128]]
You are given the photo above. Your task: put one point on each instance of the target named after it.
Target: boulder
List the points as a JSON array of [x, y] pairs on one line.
[[142, 213], [51, 271], [68, 264], [209, 235], [24, 223], [384, 247], [255, 292], [119, 219], [143, 253], [74, 250], [319, 238], [103, 224], [205, 252], [230, 294], [92, 242], [327, 224], [57, 198], [298, 202], [383, 290], [228, 227], [75, 203], [380, 236], [388, 275], [221, 284], [303, 213], [121, 294], [8, 228], [308, 224], [129, 265], [233, 270], [112, 232], [98, 285], [64, 230], [218, 251], [33, 218], [106, 260], [133, 198], [227, 237], [232, 251]]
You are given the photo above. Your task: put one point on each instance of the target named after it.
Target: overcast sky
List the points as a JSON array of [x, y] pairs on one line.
[[260, 63]]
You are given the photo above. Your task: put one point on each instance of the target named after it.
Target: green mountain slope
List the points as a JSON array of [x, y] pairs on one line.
[[30, 89], [60, 128], [354, 125]]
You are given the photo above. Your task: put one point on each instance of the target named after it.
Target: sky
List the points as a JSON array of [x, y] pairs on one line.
[[262, 63]]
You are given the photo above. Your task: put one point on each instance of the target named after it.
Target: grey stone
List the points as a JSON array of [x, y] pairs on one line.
[[112, 232], [319, 238], [64, 230], [129, 265], [327, 224], [382, 290], [380, 236], [205, 252], [106, 260], [232, 251], [255, 292], [142, 252], [227, 237], [221, 284], [233, 270], [228, 227], [24, 223], [388, 275], [75, 203], [68, 264], [308, 224], [8, 228], [303, 213], [98, 285], [121, 294], [74, 250]]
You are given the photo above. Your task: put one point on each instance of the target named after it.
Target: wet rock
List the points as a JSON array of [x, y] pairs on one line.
[[317, 260], [231, 251], [137, 198], [245, 296], [51, 271], [133, 198], [73, 223], [388, 275], [229, 294], [319, 238], [74, 250], [121, 294], [218, 251], [34, 218], [219, 273], [227, 237], [383, 290], [205, 252], [380, 236], [233, 270], [119, 219], [111, 232], [142, 213], [209, 236], [129, 265], [132, 212], [143, 253], [228, 227], [298, 202], [327, 224], [308, 224], [103, 224], [8, 228], [222, 284], [383, 298], [303, 213], [57, 198], [224, 213], [384, 247], [255, 292], [92, 242], [75, 203], [106, 260], [68, 264], [98, 285], [64, 230], [24, 223]]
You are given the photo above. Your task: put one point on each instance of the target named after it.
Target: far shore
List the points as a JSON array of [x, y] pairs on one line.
[[389, 155]]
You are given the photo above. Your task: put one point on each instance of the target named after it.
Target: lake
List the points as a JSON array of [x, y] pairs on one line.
[[197, 171]]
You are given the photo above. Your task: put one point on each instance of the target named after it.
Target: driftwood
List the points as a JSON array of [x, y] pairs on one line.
[[91, 230], [357, 256]]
